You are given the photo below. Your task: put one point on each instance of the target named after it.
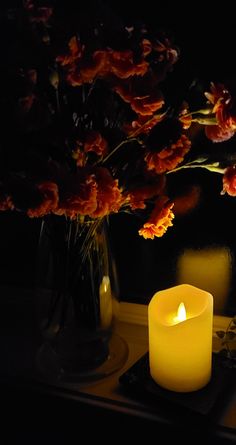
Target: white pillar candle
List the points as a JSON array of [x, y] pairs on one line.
[[180, 343]]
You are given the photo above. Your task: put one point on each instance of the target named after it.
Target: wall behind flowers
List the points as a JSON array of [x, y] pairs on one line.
[[145, 266], [205, 220], [204, 217]]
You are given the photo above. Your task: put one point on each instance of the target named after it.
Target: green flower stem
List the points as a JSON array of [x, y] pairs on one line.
[[55, 301], [139, 130], [227, 341], [204, 111], [126, 141], [89, 238], [57, 100], [205, 120], [211, 167], [65, 301]]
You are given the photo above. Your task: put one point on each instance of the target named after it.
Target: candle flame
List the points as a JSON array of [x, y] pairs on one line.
[[181, 313]]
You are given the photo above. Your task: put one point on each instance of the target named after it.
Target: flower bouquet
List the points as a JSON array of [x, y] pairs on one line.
[[94, 133]]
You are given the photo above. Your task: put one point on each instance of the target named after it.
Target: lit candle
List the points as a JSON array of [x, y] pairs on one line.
[[180, 321]]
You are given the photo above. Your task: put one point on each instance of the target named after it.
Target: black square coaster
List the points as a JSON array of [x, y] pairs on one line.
[[137, 380]]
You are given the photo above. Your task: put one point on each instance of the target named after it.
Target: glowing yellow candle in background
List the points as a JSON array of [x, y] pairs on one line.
[[105, 296], [208, 268], [180, 321]]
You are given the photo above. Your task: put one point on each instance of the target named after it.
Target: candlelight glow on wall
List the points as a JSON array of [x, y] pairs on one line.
[[180, 321]]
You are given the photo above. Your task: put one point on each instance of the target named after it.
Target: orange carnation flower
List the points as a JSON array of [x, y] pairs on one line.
[[229, 181], [168, 158], [160, 219], [144, 104], [220, 97], [109, 197], [96, 143], [79, 195], [49, 200]]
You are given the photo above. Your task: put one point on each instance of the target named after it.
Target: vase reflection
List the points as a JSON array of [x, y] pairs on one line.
[[77, 297]]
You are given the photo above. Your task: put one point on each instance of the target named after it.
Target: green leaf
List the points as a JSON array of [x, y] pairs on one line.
[[220, 334], [230, 335], [224, 352], [233, 353]]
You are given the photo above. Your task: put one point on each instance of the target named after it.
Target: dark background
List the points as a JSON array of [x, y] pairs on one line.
[[207, 42], [206, 39]]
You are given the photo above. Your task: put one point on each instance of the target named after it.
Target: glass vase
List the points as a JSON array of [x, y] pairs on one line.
[[77, 299]]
